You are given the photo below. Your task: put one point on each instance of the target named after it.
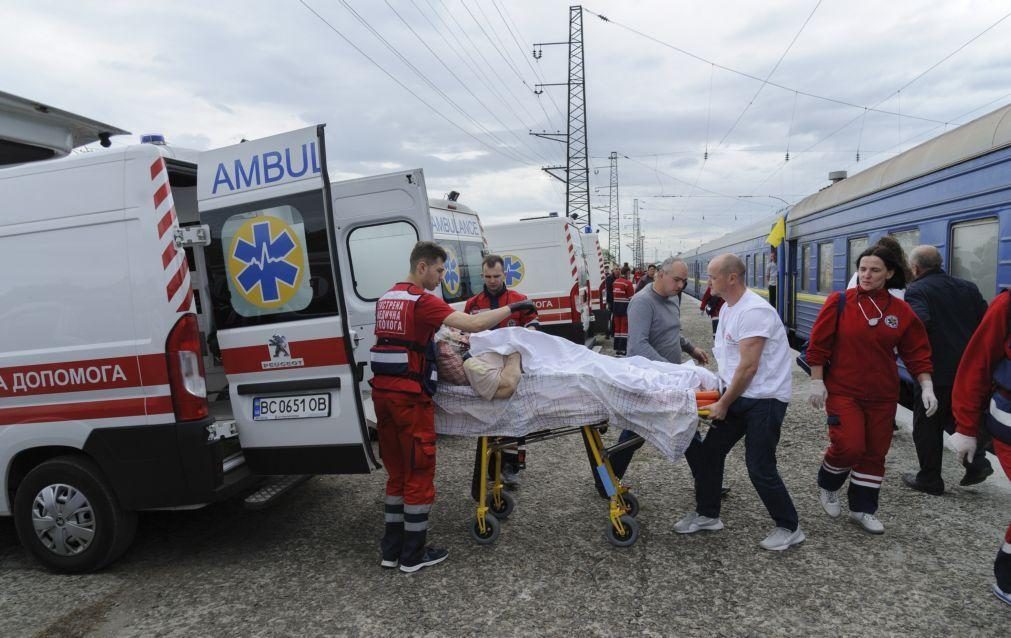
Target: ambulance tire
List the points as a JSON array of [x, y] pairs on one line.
[[114, 527]]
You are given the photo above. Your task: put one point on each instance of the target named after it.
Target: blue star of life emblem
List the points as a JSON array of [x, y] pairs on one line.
[[266, 263], [513, 268]]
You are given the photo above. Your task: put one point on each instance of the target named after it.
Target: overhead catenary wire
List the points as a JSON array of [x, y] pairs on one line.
[[463, 84], [768, 77], [502, 48], [751, 76], [894, 93], [487, 62], [439, 113], [481, 76], [681, 181], [453, 103], [514, 31]]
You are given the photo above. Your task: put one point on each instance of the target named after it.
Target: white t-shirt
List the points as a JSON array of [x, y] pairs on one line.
[[752, 316]]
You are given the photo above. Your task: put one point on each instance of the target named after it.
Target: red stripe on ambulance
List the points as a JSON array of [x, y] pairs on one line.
[[313, 353], [84, 375], [86, 410], [177, 280], [157, 167], [168, 255], [161, 194], [166, 222], [179, 275]]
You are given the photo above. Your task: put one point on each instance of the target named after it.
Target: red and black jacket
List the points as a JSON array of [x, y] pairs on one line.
[[403, 359], [485, 301], [623, 292]]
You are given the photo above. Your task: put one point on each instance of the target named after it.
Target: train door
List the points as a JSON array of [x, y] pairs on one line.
[[789, 313]]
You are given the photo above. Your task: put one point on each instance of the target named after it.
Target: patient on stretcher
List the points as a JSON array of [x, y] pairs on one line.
[[563, 384], [491, 375]]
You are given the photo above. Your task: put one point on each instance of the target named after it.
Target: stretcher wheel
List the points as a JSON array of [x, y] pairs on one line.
[[507, 507], [629, 537], [491, 531], [632, 502]]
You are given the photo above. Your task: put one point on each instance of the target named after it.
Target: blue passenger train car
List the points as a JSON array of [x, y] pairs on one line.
[[748, 243], [953, 191]]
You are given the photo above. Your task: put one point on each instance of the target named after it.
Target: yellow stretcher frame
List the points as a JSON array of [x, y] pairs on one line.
[[494, 504]]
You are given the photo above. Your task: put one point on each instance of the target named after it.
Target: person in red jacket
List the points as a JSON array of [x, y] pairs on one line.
[[623, 292], [982, 396], [403, 365], [711, 305], [496, 295], [860, 390]]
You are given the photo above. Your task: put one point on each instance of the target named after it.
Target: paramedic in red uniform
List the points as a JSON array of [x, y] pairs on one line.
[[496, 295], [861, 387], [624, 290], [981, 397], [403, 362]]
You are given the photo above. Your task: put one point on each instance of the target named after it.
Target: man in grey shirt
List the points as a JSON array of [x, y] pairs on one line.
[[654, 332]]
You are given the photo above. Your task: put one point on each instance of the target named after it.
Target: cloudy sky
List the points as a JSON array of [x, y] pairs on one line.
[[207, 74]]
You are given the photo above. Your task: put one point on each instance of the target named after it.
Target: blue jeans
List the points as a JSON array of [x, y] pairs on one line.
[[759, 422]]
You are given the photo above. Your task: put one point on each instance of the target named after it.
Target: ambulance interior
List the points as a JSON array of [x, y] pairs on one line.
[[183, 180]]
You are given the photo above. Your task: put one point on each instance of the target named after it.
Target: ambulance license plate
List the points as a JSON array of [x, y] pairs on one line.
[[307, 406]]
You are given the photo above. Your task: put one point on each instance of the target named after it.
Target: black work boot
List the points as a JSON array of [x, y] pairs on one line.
[[1002, 572]]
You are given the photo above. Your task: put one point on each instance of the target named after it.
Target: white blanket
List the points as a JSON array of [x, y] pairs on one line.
[[565, 384]]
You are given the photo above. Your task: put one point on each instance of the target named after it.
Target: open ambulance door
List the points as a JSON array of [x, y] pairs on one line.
[[377, 222], [279, 306]]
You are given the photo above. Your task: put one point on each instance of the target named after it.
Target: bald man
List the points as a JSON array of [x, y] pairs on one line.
[[951, 309], [755, 366]]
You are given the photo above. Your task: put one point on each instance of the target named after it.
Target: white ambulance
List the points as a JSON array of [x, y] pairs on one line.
[[173, 332], [543, 259], [595, 271], [458, 229]]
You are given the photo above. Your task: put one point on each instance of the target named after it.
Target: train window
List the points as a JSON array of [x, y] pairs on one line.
[[974, 254], [857, 245], [754, 270], [825, 254], [761, 273], [805, 265], [908, 239]]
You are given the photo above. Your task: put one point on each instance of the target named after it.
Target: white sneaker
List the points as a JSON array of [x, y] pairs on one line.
[[869, 522], [782, 538], [694, 522], [830, 502]]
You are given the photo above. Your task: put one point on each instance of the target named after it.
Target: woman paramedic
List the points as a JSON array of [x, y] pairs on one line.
[[854, 377]]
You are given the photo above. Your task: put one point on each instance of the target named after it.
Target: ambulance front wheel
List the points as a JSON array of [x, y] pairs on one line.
[[629, 534], [68, 518], [491, 530], [502, 511]]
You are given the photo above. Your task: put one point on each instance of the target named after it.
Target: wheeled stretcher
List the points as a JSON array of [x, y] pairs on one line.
[[494, 504]]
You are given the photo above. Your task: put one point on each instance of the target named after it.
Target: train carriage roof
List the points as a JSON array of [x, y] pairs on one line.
[[983, 135], [752, 231]]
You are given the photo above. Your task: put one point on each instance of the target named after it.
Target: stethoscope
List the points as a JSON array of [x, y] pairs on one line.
[[873, 321]]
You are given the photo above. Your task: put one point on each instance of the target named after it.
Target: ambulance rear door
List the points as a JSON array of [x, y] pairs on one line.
[[279, 306], [377, 221]]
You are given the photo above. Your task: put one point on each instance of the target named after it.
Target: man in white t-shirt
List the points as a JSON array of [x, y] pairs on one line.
[[755, 364]]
